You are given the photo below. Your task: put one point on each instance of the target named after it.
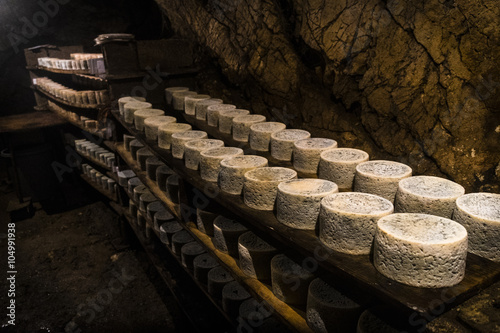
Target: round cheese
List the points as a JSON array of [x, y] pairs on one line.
[[307, 152], [213, 113], [190, 103], [180, 139], [260, 134], [210, 161], [233, 169], [241, 126], [151, 125], [339, 166], [141, 115], [255, 255], [193, 149], [226, 119], [165, 132], [282, 143]]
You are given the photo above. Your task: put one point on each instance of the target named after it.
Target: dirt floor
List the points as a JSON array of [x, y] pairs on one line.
[[75, 275]]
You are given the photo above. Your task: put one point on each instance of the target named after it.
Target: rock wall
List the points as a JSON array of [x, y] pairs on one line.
[[412, 81]]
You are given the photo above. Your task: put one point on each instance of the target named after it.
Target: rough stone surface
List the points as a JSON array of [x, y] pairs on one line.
[[193, 149], [261, 186], [226, 234], [202, 106], [328, 310], [339, 166], [479, 213], [190, 103], [307, 153], [151, 125], [283, 271], [347, 221], [298, 201], [141, 115], [427, 195], [180, 139], [380, 178], [260, 134], [255, 256], [210, 161], [165, 133], [218, 277], [130, 108], [420, 250], [226, 119], [282, 143], [233, 169], [241, 126], [413, 82], [213, 113]]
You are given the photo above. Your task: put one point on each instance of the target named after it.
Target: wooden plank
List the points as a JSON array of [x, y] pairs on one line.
[[99, 133], [98, 188], [355, 271], [59, 71], [29, 121], [292, 317], [95, 161], [62, 101]]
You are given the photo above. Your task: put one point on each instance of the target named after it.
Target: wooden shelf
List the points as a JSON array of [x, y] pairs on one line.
[[29, 121], [59, 71], [95, 161], [98, 188], [355, 272], [62, 101], [291, 317], [98, 133], [181, 287]]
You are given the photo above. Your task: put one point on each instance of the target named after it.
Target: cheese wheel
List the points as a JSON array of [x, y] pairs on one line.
[[153, 208], [282, 143], [233, 294], [226, 119], [124, 100], [126, 141], [255, 255], [141, 115], [218, 277], [180, 139], [165, 132], [193, 149], [179, 239], [141, 220], [190, 251], [298, 201], [142, 155], [479, 213], [328, 310], [144, 200], [260, 134], [339, 166], [202, 106], [210, 161], [130, 108], [380, 177], [133, 183], [261, 186], [370, 323], [213, 113], [427, 195], [135, 145], [205, 220], [169, 229], [420, 250], [124, 176], [178, 99], [241, 126], [171, 90], [173, 188], [284, 270], [152, 164], [307, 153], [258, 315], [233, 169], [226, 234], [190, 103], [151, 125], [138, 191], [160, 217], [348, 220], [162, 173], [203, 263]]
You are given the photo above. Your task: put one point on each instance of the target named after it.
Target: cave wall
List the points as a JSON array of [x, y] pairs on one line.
[[417, 82]]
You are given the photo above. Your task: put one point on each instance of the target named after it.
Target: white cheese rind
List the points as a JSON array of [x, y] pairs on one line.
[[165, 133], [130, 108], [420, 250], [178, 99], [233, 169], [307, 153], [289, 280], [170, 90], [213, 113], [151, 125], [427, 195], [255, 256], [298, 201], [380, 177], [180, 139], [348, 220], [282, 143], [226, 234], [226, 119], [242, 124], [210, 161], [260, 134], [190, 103], [479, 213], [202, 106], [141, 115], [261, 185], [193, 149], [339, 166]]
